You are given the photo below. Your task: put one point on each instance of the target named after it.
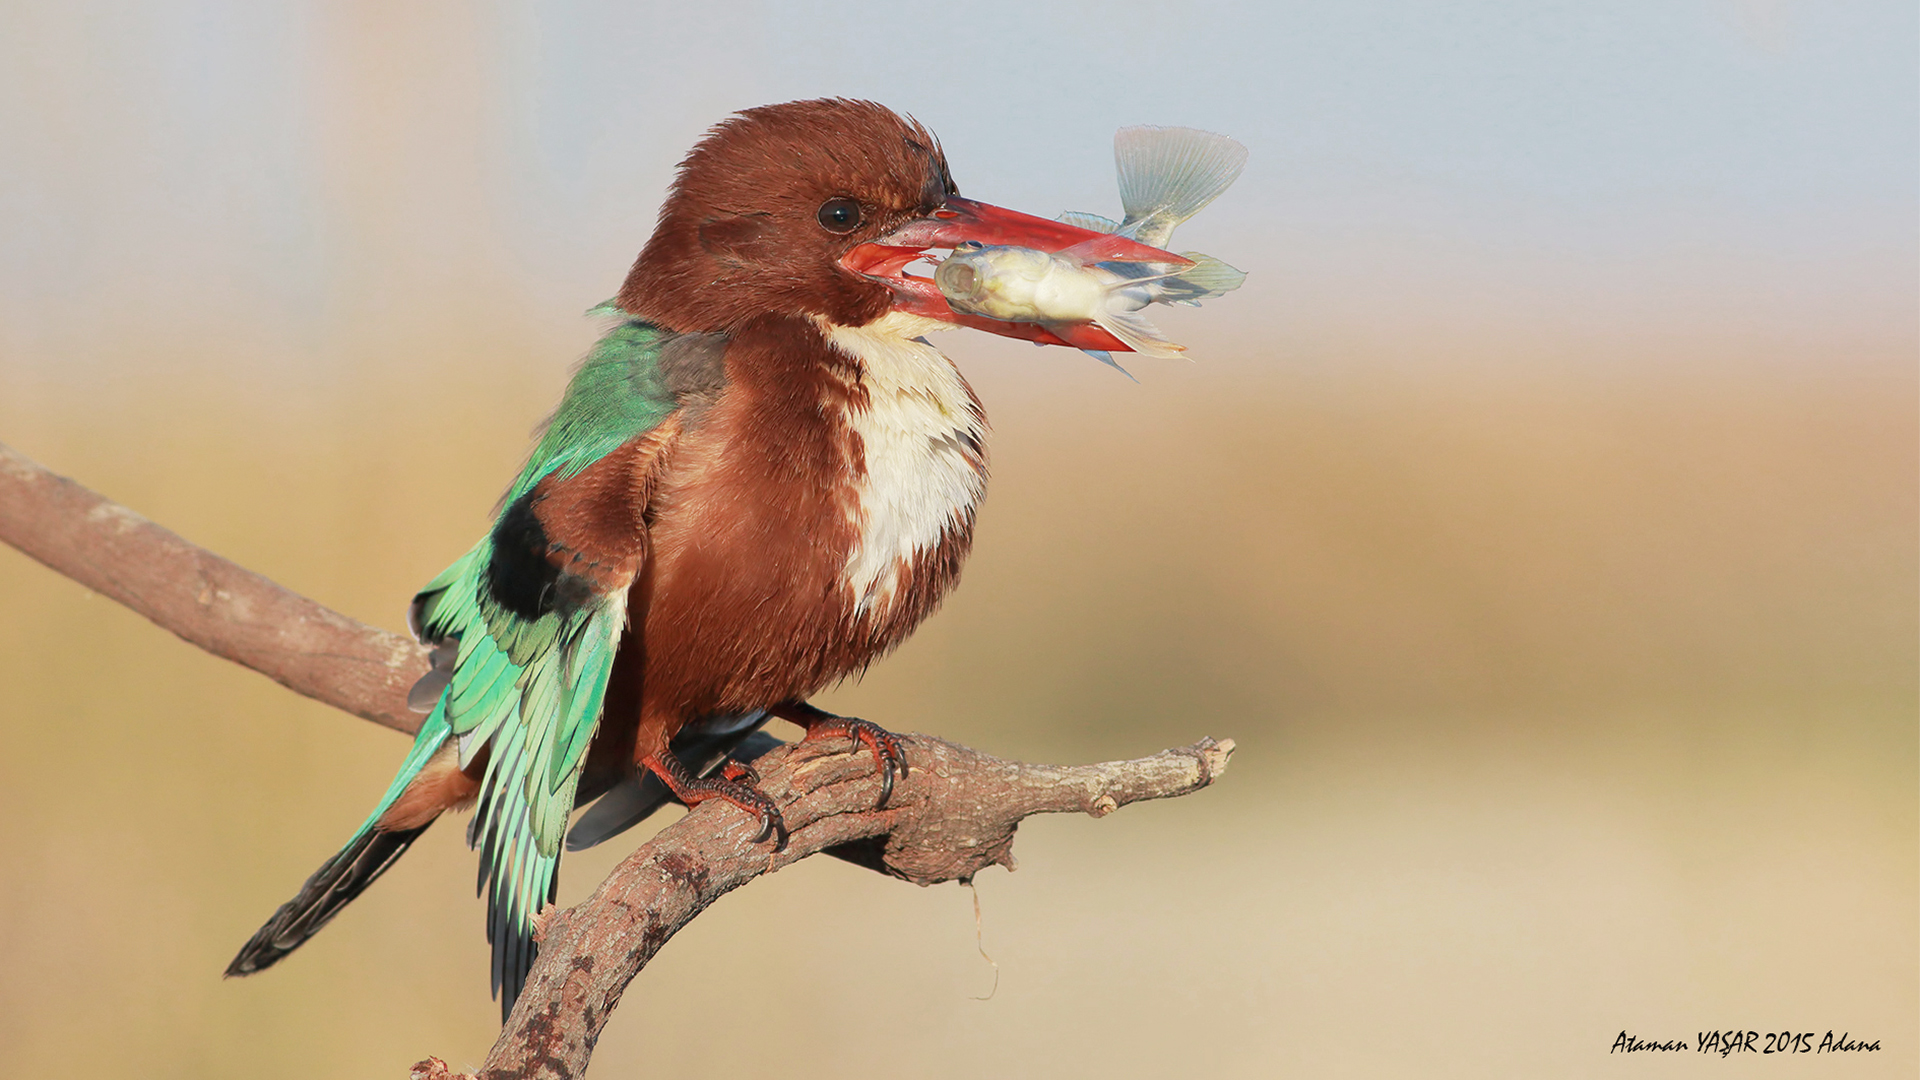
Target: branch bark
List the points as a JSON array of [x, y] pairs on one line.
[[225, 609], [951, 816]]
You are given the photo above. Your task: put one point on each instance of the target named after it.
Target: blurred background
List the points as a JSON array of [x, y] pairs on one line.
[[1539, 519]]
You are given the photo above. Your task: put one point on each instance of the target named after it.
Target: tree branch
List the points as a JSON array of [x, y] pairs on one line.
[[225, 609], [952, 815]]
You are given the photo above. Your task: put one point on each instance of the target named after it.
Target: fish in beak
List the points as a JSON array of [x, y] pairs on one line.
[[960, 221]]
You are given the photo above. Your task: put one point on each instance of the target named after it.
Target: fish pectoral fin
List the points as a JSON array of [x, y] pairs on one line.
[[1106, 358], [1138, 334], [1167, 174]]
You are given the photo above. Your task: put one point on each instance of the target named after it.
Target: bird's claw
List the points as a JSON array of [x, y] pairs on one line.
[[772, 826], [755, 802], [886, 747], [734, 784]]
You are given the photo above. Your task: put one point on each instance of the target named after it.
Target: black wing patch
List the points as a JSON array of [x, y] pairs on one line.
[[521, 577]]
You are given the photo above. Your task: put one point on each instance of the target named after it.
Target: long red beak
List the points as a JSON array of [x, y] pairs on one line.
[[962, 220]]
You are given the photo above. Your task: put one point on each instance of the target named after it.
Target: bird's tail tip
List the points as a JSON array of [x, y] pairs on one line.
[[329, 889]]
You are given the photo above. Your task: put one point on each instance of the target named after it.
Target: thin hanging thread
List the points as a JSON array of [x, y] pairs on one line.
[[979, 942]]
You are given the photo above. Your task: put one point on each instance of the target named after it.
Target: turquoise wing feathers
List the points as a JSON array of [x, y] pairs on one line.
[[536, 647], [525, 626]]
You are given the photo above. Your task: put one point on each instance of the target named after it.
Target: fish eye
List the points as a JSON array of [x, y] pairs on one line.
[[841, 215]]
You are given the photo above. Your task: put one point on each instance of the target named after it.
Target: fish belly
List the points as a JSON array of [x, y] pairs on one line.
[[1069, 293]]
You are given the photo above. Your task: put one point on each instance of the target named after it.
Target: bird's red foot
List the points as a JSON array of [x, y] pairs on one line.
[[735, 784], [886, 748]]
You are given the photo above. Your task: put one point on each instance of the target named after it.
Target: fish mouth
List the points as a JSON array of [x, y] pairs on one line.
[[960, 221]]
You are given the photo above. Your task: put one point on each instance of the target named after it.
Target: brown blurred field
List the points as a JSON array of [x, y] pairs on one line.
[[1567, 701]]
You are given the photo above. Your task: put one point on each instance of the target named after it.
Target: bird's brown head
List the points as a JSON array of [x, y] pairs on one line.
[[815, 208]]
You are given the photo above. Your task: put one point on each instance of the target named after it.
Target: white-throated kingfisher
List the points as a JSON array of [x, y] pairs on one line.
[[760, 480]]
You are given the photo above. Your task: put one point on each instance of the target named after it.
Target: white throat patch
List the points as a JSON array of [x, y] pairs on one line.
[[924, 439]]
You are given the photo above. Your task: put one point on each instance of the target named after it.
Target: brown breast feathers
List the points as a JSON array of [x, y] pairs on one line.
[[814, 511]]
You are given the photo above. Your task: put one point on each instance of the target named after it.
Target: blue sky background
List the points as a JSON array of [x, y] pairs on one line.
[[1729, 173]]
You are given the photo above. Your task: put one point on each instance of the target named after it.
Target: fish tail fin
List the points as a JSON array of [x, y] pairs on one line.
[[1136, 333], [1167, 174], [1207, 278]]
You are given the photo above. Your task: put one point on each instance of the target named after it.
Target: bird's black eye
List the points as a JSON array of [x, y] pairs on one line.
[[840, 215]]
